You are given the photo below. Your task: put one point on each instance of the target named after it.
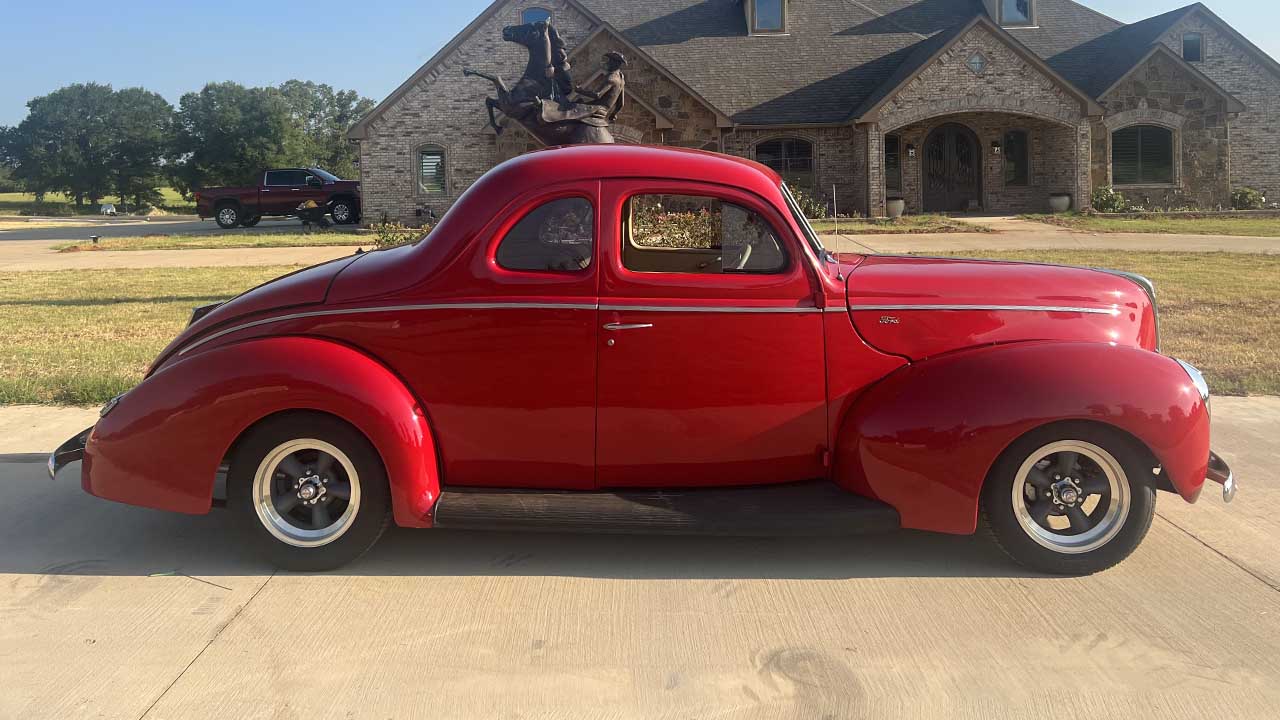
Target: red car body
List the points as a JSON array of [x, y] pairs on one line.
[[899, 379]]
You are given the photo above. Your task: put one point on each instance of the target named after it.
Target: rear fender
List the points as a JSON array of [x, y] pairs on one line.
[[924, 438], [161, 446]]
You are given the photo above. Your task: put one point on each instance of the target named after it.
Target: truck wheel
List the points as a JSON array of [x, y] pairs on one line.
[[1069, 499], [311, 490], [250, 222], [343, 211], [228, 216]]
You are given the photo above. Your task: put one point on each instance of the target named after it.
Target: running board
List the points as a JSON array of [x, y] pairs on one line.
[[817, 508]]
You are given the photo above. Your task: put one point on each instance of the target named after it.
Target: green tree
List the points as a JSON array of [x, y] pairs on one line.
[[324, 116], [8, 139], [141, 123], [64, 142], [227, 133]]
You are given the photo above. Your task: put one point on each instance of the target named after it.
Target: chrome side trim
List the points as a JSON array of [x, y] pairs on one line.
[[1113, 311], [711, 309], [387, 308]]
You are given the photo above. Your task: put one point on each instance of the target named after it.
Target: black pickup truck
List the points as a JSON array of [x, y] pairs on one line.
[[279, 193]]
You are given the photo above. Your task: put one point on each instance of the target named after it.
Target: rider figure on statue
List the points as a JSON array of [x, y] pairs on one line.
[[605, 98]]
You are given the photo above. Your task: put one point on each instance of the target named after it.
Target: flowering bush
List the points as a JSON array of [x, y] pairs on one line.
[[1107, 200], [1246, 198], [390, 234]]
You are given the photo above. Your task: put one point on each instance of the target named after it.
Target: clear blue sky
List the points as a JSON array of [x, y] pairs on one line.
[[176, 47]]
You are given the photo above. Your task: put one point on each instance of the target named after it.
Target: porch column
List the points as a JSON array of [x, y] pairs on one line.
[[875, 171], [1084, 172]]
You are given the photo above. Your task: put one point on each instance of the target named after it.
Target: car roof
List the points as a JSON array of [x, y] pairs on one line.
[[583, 162]]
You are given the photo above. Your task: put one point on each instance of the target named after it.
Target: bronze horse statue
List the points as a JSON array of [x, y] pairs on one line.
[[542, 92]]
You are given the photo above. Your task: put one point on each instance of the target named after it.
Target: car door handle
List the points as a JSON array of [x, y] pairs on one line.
[[627, 326]]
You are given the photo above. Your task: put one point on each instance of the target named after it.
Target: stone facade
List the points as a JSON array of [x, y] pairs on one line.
[[1163, 92], [1255, 133], [982, 79]]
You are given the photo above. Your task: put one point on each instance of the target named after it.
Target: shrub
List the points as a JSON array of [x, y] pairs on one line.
[[1107, 200], [1246, 198], [390, 234], [655, 226], [813, 207]]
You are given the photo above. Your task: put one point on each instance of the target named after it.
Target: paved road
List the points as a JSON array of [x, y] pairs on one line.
[[111, 611], [129, 228]]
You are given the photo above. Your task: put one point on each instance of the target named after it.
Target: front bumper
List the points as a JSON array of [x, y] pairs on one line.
[[1220, 473], [68, 452]]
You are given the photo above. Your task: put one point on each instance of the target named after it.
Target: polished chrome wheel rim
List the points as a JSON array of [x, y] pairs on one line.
[[341, 213], [227, 216], [306, 492], [1071, 496]]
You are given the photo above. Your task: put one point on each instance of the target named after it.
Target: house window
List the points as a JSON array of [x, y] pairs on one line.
[[432, 178], [693, 234], [770, 16], [557, 236], [1193, 47], [792, 158], [893, 162], [1015, 12], [1017, 158], [535, 14], [1142, 155]]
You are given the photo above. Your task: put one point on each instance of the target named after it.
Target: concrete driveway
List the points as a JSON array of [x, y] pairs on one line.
[[116, 612]]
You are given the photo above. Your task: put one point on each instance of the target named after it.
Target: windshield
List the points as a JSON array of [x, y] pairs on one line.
[[818, 248], [326, 176]]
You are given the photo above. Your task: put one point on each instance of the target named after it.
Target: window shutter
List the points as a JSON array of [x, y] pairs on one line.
[[1125, 157], [1157, 155]]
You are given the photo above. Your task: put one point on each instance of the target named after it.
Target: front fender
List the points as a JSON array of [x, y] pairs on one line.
[[161, 445], [924, 438]]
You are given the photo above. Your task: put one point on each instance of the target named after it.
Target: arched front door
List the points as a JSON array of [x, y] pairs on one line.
[[952, 169]]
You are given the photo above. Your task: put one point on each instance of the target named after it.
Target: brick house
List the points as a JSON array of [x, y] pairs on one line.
[[947, 104]]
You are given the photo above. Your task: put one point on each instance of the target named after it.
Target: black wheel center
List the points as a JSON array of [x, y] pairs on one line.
[[1067, 492]]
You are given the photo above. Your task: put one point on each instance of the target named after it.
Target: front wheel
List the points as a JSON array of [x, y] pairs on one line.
[[228, 216], [311, 489], [1070, 499]]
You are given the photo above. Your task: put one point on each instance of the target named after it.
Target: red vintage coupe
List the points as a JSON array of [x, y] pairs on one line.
[[647, 340]]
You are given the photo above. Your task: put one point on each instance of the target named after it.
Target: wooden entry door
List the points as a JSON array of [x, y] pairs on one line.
[[952, 169]]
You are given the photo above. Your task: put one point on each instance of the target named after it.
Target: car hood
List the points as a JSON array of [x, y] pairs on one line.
[[306, 287], [920, 307]]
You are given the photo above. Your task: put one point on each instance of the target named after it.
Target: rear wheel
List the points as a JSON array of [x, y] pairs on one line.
[[311, 489], [228, 216], [1070, 499]]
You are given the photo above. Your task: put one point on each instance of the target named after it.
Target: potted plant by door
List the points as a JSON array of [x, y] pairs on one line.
[[895, 207], [1059, 202]]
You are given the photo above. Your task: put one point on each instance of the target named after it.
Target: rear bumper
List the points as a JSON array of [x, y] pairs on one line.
[[1220, 473], [68, 452]]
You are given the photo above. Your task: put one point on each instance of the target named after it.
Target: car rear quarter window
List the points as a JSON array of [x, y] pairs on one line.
[[695, 234], [557, 236]]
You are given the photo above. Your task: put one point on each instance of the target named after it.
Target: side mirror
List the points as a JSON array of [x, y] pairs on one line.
[[314, 181]]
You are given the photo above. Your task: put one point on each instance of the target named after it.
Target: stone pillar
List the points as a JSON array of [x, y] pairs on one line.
[[875, 171], [1084, 164]]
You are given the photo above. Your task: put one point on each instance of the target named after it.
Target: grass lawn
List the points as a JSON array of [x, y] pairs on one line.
[[907, 224], [225, 240], [81, 337], [57, 203], [1218, 311], [1236, 226]]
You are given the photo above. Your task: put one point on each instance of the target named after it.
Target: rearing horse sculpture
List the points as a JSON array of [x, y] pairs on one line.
[[546, 79]]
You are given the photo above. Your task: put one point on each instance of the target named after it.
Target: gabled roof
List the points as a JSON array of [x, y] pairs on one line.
[[927, 51], [1233, 104], [1097, 65]]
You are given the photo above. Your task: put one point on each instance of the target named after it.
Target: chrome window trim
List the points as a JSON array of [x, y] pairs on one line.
[[1113, 311], [499, 306]]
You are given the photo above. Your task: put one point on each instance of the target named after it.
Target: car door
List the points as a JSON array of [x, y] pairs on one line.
[[281, 191], [313, 188], [711, 368]]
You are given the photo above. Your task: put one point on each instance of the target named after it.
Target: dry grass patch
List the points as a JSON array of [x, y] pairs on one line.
[[330, 238], [1218, 311], [80, 337], [905, 225], [1166, 225]]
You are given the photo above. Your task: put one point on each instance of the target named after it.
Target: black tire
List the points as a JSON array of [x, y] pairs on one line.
[[264, 520], [227, 216], [1114, 535], [344, 212], [250, 222]]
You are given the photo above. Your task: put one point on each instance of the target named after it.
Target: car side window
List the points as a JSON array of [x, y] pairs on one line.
[[286, 178], [557, 236], [698, 235]]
